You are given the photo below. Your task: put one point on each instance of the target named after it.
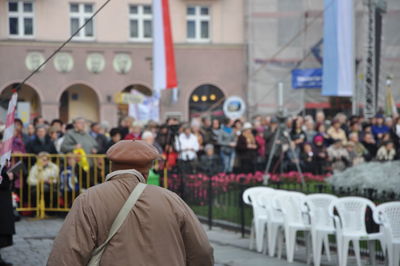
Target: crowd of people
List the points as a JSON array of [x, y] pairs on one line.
[[315, 144]]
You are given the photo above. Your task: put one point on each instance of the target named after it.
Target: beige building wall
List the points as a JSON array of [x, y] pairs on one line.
[[220, 62], [112, 23]]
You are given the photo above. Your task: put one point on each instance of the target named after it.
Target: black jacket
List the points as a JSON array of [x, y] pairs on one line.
[[7, 220], [36, 146]]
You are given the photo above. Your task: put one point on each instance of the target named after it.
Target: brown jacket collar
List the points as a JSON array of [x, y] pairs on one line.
[[134, 172]]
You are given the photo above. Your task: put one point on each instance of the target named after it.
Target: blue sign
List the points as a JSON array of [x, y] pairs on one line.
[[310, 78]]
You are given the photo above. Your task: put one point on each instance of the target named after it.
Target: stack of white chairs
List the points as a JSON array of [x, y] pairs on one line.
[[259, 215], [321, 223], [350, 226], [388, 216], [284, 213]]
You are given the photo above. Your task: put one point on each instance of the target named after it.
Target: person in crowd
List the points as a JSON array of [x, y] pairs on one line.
[[261, 153], [338, 156], [215, 132], [53, 133], [321, 155], [358, 148], [164, 137], [196, 130], [227, 143], [69, 177], [297, 134], [370, 144], [342, 118], [320, 117], [206, 130], [79, 138], [20, 138], [246, 150], [115, 136], [58, 126], [42, 142], [187, 145], [44, 170], [39, 120], [379, 129], [149, 138], [308, 159], [291, 157], [7, 219], [386, 152], [336, 131], [321, 131], [310, 130], [269, 135], [31, 132], [124, 126], [101, 139], [135, 131], [210, 163]]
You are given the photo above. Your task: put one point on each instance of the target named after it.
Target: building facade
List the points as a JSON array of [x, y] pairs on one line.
[[113, 54]]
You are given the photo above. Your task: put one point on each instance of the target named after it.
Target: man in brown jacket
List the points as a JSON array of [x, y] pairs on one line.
[[160, 229]]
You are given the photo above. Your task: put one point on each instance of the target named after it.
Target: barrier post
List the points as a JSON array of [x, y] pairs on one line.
[[41, 203]]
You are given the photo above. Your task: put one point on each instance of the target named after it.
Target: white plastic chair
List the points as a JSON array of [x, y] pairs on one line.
[[259, 215], [265, 200], [321, 223], [388, 216], [292, 207], [274, 222], [350, 226]]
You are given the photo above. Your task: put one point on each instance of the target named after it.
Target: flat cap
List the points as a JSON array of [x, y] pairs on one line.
[[132, 154]]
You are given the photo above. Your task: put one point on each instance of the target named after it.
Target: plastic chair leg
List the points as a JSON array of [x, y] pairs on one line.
[[356, 245], [280, 242], [259, 230], [290, 239], [272, 238], [317, 248], [265, 242], [251, 236], [327, 248], [344, 251], [372, 251], [396, 255]]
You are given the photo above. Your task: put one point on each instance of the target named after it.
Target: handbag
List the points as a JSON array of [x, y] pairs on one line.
[[123, 213]]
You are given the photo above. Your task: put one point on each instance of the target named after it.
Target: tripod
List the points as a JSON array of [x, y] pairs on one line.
[[283, 137]]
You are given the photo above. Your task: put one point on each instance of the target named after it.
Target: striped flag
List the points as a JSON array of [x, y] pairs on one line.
[[164, 72], [8, 132]]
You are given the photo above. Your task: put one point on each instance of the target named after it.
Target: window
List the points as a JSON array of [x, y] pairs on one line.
[[79, 15], [20, 19], [198, 23], [140, 22]]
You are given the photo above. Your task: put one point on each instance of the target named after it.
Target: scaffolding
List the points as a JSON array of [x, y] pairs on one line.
[[287, 34]]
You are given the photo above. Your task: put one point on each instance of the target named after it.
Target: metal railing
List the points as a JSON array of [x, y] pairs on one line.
[[39, 193]]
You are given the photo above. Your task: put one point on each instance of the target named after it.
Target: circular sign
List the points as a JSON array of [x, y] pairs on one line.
[[95, 62], [234, 107], [122, 63], [63, 62], [33, 60]]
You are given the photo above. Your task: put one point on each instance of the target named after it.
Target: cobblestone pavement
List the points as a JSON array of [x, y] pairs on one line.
[[34, 238]]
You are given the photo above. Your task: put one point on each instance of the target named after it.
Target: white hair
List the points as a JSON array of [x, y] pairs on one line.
[[147, 134]]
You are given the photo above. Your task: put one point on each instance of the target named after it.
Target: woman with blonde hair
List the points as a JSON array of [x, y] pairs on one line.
[[246, 150]]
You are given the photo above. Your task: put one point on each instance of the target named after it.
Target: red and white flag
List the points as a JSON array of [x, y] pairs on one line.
[[164, 72], [8, 136]]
